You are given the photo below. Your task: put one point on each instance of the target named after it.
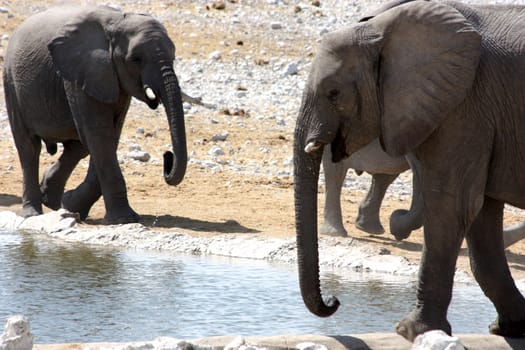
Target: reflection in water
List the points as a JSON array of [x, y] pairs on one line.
[[74, 293]]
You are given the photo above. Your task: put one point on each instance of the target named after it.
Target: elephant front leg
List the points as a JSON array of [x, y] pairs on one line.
[[99, 126], [443, 234], [108, 181], [335, 174]]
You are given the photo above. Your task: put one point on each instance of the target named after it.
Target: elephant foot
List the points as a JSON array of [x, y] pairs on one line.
[[330, 229], [51, 200], [73, 202], [414, 324], [508, 328], [30, 210], [401, 224], [373, 227], [122, 216]]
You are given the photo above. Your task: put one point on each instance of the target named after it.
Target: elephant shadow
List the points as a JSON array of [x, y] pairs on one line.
[[170, 221], [7, 200], [516, 261]]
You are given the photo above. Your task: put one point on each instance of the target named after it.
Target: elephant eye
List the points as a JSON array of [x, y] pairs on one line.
[[333, 95], [136, 60]]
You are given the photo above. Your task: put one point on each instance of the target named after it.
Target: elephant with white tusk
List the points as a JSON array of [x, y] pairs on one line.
[[69, 76], [442, 84]]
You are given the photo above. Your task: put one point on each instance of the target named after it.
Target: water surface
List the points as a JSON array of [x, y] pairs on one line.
[[77, 293]]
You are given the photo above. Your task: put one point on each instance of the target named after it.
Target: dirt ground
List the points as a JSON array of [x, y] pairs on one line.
[[212, 202]]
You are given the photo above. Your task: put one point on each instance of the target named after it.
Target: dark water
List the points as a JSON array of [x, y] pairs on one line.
[[74, 293]]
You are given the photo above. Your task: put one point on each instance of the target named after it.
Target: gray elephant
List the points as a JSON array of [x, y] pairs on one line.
[[69, 76], [384, 170], [442, 83]]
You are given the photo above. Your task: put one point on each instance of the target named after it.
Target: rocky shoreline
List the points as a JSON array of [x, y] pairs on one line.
[[335, 252]]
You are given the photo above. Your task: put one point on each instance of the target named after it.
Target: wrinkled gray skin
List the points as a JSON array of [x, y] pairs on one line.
[[384, 170], [69, 76], [443, 84]]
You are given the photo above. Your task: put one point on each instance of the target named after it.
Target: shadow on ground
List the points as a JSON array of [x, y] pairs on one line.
[[9, 199], [169, 221]]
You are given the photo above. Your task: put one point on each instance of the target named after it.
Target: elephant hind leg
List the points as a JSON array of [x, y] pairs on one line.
[[28, 147], [490, 268], [81, 199], [56, 176], [29, 153]]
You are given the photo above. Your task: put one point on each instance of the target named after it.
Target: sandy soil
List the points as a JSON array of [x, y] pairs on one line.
[[212, 202]]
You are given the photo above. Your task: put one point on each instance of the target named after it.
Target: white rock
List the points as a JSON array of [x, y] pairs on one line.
[[216, 151], [291, 69], [220, 137], [139, 155], [310, 346], [53, 221], [215, 55], [436, 340], [134, 147], [17, 334]]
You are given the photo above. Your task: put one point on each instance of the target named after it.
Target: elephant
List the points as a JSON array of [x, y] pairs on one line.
[[69, 76], [442, 84], [384, 170]]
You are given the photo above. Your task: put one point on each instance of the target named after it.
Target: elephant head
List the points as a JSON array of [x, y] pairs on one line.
[[395, 76], [111, 54]]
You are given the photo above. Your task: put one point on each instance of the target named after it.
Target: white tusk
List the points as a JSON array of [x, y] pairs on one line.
[[312, 147], [151, 95]]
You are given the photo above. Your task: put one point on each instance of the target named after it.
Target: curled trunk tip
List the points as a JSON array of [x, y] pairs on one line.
[[173, 174]]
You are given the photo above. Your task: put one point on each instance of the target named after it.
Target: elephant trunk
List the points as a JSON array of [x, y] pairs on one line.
[[306, 176], [174, 163]]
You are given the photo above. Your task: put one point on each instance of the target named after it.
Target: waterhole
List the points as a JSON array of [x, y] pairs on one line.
[[78, 293]]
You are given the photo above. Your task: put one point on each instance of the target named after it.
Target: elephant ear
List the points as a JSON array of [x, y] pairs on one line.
[[427, 66], [81, 53]]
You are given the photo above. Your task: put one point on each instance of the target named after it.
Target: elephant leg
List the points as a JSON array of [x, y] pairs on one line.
[[81, 199], [29, 153], [56, 176], [368, 217], [490, 268], [403, 222], [335, 174], [443, 232], [99, 127]]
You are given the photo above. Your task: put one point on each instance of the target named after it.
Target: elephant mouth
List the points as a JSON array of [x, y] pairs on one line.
[[152, 99], [338, 147]]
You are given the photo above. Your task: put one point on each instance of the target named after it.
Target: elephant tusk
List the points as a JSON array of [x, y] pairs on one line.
[[151, 95], [312, 147]]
